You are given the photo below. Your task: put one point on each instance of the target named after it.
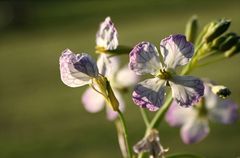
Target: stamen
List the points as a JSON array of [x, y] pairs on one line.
[[165, 75]]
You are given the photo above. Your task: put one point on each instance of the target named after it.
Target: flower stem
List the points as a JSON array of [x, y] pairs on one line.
[[145, 117], [142, 155], [160, 114], [194, 60], [121, 139], [125, 132], [217, 59]]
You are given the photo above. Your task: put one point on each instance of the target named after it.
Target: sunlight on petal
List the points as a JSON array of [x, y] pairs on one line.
[[176, 50], [149, 94]]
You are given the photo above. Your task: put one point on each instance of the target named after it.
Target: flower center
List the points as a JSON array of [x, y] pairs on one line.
[[100, 49], [164, 74]]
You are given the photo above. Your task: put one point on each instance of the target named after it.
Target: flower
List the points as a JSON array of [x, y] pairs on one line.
[[80, 69], [117, 78], [150, 144], [144, 59], [77, 69], [194, 121], [106, 39]]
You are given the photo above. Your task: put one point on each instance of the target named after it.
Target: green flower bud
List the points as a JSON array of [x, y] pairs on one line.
[[234, 50], [216, 28], [231, 40], [192, 29], [217, 42]]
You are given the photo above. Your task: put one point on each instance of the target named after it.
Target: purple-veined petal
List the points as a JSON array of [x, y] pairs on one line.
[[92, 101], [125, 77], [225, 111], [194, 130], [77, 69], [186, 90], [112, 115], [176, 50], [149, 93], [108, 66], [106, 36], [144, 58], [176, 115]]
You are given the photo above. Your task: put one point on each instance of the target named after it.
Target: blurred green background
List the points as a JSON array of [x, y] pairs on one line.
[[40, 117]]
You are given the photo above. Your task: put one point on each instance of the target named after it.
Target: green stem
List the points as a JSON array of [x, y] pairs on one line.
[[207, 55], [142, 155], [125, 132], [194, 60], [160, 114], [145, 117], [157, 118], [219, 58]]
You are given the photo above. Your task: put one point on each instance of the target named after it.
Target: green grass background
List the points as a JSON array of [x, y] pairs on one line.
[[40, 117]]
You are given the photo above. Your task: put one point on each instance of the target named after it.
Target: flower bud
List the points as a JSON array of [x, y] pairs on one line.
[[217, 42], [191, 29], [221, 91], [234, 50], [216, 28], [230, 41]]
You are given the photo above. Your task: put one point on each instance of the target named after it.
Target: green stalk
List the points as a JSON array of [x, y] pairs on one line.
[[125, 132], [160, 114], [144, 116]]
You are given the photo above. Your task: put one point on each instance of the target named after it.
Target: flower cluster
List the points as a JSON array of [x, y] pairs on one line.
[[194, 121], [200, 100]]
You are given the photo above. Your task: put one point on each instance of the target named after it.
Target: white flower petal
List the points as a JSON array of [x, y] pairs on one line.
[[195, 130], [149, 93], [112, 115], [125, 77], [92, 101], [186, 90], [176, 115], [144, 58], [176, 50], [107, 35], [77, 69], [108, 66]]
